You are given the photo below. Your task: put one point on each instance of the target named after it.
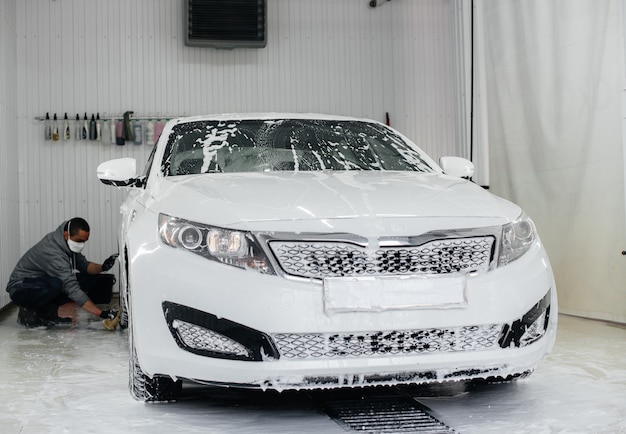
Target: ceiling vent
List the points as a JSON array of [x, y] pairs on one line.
[[225, 23]]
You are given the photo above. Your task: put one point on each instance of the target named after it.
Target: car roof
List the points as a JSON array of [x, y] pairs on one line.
[[267, 116]]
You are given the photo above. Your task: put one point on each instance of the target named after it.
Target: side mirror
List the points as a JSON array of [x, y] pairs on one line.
[[121, 172], [457, 166]]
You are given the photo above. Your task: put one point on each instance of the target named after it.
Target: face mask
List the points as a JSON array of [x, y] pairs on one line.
[[74, 246]]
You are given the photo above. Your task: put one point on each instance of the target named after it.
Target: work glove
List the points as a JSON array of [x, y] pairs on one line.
[[109, 262], [108, 314], [111, 323]]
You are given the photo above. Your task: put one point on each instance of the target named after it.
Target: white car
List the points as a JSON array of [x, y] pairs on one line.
[[288, 251]]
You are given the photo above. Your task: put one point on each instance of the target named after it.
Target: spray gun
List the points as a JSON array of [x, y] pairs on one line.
[[127, 130]]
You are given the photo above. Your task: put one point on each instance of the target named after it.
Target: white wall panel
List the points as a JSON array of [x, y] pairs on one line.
[[9, 216], [108, 56], [555, 76]]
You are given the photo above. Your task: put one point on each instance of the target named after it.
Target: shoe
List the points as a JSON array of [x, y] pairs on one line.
[[49, 315], [29, 318], [54, 320]]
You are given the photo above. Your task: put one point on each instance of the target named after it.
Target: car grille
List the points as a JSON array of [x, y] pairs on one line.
[[384, 343], [319, 259]]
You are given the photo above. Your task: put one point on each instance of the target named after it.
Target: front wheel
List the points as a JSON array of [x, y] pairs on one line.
[[123, 311], [158, 388], [124, 291]]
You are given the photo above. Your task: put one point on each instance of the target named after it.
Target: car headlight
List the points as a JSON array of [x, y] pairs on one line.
[[236, 248], [517, 238]]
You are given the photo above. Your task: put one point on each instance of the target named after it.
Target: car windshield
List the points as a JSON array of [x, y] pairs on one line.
[[286, 145]]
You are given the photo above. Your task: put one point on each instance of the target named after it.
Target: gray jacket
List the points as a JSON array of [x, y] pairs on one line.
[[52, 257]]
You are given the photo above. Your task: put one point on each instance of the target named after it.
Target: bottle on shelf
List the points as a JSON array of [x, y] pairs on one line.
[[66, 128], [150, 133], [78, 129], [55, 128], [85, 130], [138, 132], [92, 127], [98, 128], [47, 128], [112, 134], [119, 133], [105, 131]]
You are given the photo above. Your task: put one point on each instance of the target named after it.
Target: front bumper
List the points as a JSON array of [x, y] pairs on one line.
[[278, 335]]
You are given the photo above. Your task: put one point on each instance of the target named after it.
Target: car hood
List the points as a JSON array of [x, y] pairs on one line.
[[243, 199]]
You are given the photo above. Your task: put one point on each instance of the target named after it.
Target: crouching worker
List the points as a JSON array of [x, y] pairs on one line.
[[44, 278]]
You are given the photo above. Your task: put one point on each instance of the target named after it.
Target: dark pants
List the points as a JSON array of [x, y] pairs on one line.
[[43, 295]]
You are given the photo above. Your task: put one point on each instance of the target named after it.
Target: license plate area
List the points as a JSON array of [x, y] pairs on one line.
[[382, 293]]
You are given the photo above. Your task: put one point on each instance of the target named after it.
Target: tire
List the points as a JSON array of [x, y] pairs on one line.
[[124, 293], [158, 388], [123, 311]]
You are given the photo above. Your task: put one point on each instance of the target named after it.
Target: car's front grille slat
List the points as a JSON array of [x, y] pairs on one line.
[[385, 343], [320, 259]]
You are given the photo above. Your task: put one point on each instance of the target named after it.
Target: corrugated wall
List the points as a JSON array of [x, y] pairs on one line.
[[9, 192], [109, 56]]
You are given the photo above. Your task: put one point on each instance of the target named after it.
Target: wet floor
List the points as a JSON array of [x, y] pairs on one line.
[[74, 380]]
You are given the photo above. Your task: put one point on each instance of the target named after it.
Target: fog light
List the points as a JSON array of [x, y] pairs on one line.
[[199, 338], [529, 328], [534, 331]]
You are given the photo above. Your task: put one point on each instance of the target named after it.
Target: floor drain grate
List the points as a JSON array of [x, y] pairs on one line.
[[385, 415]]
